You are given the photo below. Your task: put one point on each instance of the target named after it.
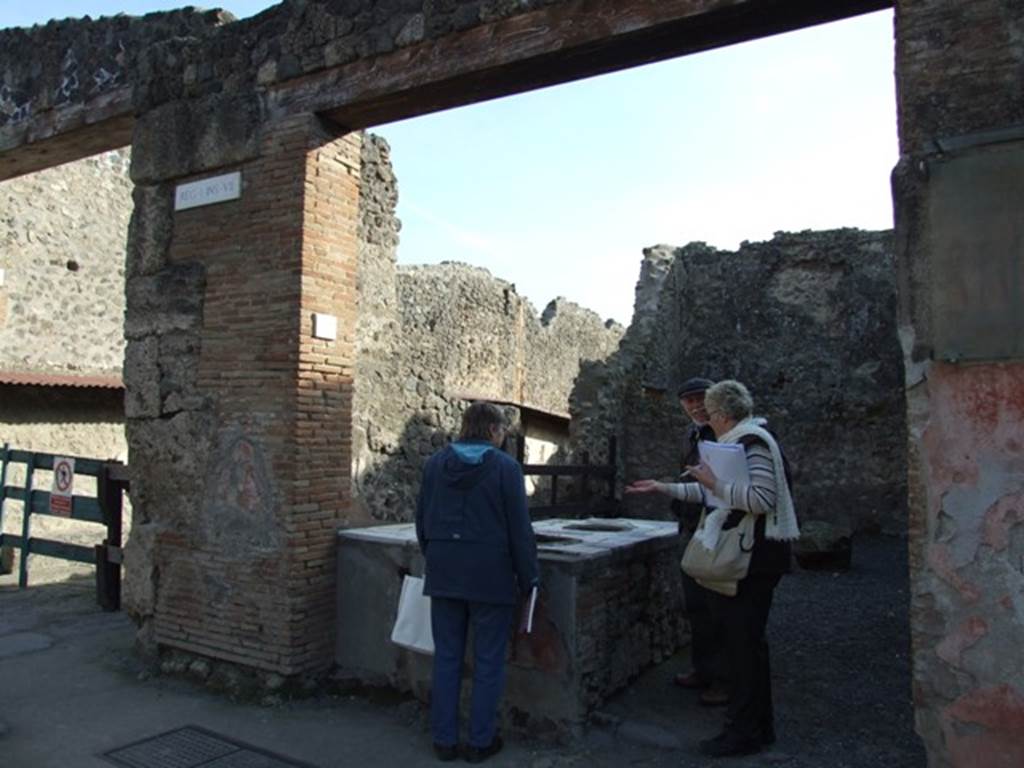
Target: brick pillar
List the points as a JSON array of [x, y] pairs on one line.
[[239, 420]]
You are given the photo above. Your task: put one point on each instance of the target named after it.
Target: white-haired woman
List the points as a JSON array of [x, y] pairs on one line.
[[743, 618]]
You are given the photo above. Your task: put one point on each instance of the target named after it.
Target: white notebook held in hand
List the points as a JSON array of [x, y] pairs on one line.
[[729, 463], [526, 616]]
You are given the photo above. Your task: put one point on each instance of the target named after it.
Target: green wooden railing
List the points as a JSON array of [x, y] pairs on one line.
[[105, 508]]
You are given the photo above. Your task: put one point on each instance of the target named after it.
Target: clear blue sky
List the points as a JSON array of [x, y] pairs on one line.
[[559, 190]]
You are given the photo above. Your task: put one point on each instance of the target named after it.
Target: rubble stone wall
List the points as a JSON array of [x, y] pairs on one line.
[[67, 64], [62, 250], [428, 337], [808, 322], [74, 421]]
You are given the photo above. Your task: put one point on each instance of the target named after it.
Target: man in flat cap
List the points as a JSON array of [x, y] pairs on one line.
[[707, 673]]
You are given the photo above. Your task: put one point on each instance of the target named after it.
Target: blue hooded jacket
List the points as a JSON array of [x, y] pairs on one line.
[[473, 525]]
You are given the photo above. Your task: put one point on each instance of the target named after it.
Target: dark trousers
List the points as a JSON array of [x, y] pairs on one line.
[[743, 620], [491, 625], [706, 645]]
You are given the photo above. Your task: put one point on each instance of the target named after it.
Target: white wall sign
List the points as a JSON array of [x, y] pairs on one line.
[[325, 326], [215, 189]]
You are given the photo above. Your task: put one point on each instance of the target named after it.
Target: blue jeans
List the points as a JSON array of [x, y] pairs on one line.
[[450, 620]]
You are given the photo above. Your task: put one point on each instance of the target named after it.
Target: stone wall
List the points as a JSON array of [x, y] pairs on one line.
[[429, 336], [62, 241], [808, 322], [64, 420]]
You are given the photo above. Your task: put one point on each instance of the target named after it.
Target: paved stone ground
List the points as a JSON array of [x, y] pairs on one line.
[[72, 688]]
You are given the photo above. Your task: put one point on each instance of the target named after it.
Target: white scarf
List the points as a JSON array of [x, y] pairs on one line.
[[781, 524]]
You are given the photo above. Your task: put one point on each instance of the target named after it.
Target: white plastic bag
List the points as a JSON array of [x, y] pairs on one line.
[[412, 625]]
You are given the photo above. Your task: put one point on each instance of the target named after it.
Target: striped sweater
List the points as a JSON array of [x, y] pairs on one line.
[[756, 496]]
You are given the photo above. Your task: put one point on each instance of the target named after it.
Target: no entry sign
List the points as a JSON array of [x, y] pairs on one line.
[[63, 486]]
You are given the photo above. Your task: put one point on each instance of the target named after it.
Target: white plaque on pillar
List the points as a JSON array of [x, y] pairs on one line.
[[325, 326], [216, 189]]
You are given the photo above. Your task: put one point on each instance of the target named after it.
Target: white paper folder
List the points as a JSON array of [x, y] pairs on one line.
[[729, 463]]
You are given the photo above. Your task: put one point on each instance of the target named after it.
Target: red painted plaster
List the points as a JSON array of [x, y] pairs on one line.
[[1001, 517], [967, 634], [976, 411], [986, 395], [983, 728]]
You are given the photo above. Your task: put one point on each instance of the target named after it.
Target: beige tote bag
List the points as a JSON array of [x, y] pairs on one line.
[[721, 568]]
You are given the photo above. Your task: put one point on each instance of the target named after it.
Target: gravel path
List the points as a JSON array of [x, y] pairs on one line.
[[841, 675]]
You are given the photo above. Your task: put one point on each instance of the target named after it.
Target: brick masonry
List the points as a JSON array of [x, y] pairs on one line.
[[243, 557]]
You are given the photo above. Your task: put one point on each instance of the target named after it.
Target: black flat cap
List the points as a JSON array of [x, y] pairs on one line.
[[694, 386]]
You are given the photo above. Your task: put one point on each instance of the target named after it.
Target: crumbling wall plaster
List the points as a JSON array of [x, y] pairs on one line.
[[959, 75]]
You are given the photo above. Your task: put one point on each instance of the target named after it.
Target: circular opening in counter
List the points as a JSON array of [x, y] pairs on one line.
[[599, 525]]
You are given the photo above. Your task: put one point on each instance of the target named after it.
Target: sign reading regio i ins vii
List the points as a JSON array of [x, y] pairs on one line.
[[215, 189]]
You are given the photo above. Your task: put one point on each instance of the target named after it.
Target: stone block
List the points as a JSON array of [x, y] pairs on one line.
[[141, 379], [149, 233], [181, 138], [170, 300], [823, 546]]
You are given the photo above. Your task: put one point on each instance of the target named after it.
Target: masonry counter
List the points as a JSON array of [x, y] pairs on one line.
[[611, 606]]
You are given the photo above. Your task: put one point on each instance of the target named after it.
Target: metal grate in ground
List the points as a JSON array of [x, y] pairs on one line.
[[195, 747]]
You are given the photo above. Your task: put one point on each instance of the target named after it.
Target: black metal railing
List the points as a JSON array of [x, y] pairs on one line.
[[583, 502]]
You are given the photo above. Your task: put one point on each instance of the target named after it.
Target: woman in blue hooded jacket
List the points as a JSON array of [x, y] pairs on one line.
[[474, 530]]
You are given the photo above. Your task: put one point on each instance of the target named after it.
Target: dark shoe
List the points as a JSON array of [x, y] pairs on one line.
[[446, 752], [727, 745], [689, 680], [479, 754], [714, 697]]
